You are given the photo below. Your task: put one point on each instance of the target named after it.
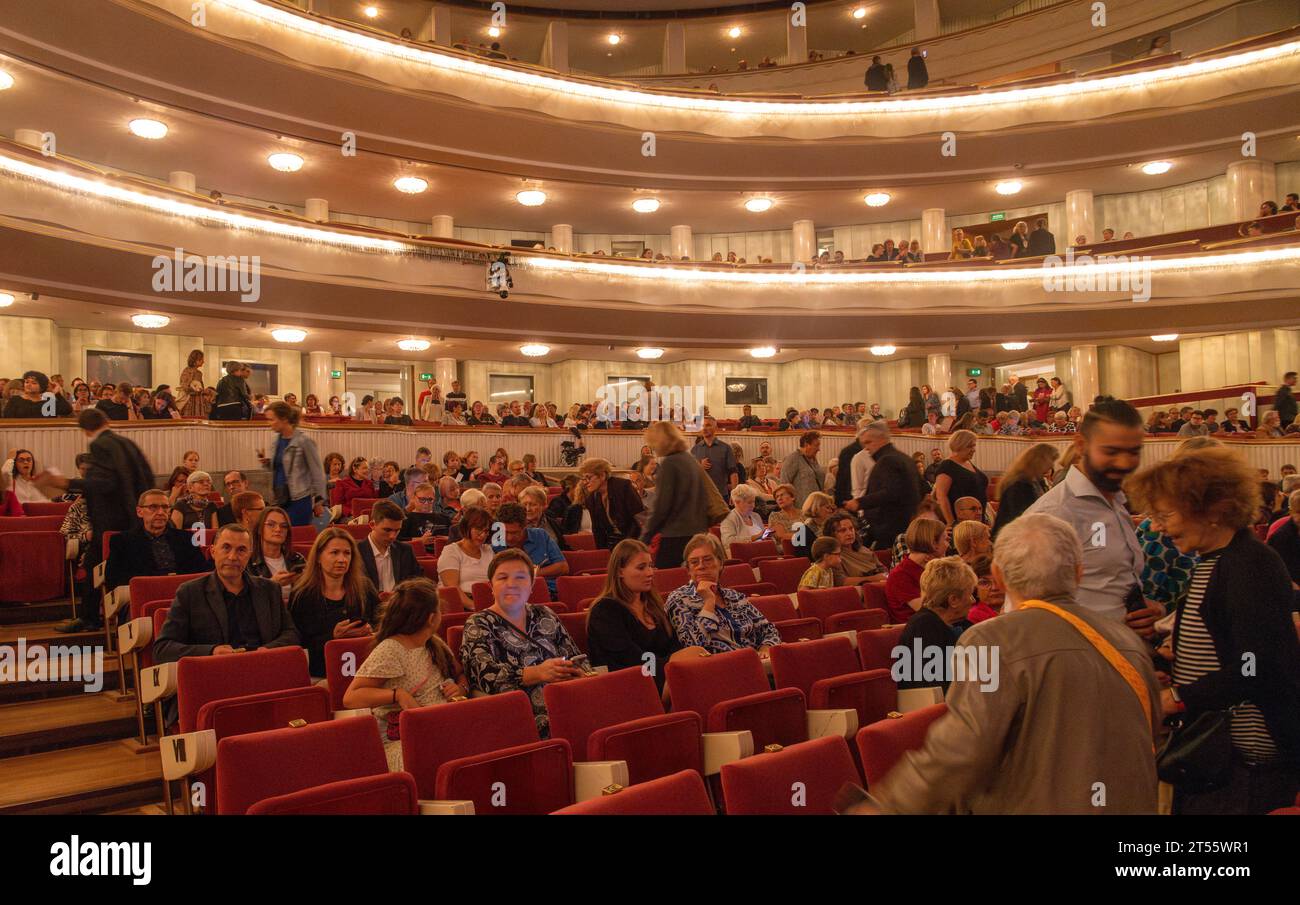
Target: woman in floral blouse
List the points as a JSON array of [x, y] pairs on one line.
[[512, 646], [715, 618]]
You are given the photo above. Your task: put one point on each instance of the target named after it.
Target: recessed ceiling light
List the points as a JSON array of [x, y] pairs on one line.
[[534, 350], [6, 299], [1165, 337], [649, 354], [531, 197], [860, 12], [148, 128], [877, 199], [645, 205], [371, 12], [734, 31], [285, 163], [413, 345], [614, 39], [410, 185], [1010, 187], [758, 205], [1157, 167], [494, 32], [763, 352], [1015, 347], [6, 80], [288, 335], [883, 350], [150, 321]]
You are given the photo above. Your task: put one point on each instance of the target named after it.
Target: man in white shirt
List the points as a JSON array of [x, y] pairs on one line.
[[387, 562], [1089, 499]]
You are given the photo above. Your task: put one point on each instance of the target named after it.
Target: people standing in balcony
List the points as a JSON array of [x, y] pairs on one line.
[[914, 255], [918, 76], [891, 79], [1041, 242], [190, 387], [1042, 401], [877, 78], [1284, 402], [1020, 240], [234, 400], [961, 246], [1060, 400]]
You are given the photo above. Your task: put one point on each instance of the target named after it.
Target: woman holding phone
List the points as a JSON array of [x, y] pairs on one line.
[[332, 598], [273, 557]]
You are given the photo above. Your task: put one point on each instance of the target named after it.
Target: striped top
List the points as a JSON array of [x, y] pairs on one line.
[[1195, 656]]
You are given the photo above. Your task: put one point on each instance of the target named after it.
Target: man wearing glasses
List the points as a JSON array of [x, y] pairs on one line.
[[236, 482], [155, 547]]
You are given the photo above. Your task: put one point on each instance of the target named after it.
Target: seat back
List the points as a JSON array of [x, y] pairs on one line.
[[264, 711], [747, 550], [388, 793], [536, 778], [883, 742], [822, 603], [358, 532], [800, 665], [876, 646], [156, 612], [449, 620], [432, 736], [700, 682], [792, 630], [584, 560], [584, 540], [681, 793], [32, 564], [667, 580], [261, 765], [576, 625], [775, 607], [203, 679], [30, 523], [736, 574], [481, 592], [573, 589], [856, 621], [362, 505], [784, 573], [756, 589], [303, 534], [343, 656], [873, 596], [34, 510], [801, 779], [580, 707], [144, 588]]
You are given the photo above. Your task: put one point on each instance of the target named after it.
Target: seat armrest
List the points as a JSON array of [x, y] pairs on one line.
[[591, 777], [448, 807], [73, 548], [135, 635], [97, 573], [350, 712], [115, 600], [724, 747], [910, 699], [188, 753], [843, 723], [157, 682]]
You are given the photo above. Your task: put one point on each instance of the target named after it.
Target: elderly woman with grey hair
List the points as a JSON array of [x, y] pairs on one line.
[[1018, 736], [742, 524]]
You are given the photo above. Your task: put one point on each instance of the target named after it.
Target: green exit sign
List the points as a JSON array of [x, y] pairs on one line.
[[426, 377], [336, 375], [1000, 215], [974, 372]]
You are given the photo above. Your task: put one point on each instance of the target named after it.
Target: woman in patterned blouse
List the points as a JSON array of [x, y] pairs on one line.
[[512, 646], [715, 618]]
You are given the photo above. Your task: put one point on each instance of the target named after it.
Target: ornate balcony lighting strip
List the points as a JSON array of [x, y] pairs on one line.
[[377, 46]]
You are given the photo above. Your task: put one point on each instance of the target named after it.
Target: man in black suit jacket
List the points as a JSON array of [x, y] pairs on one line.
[[153, 548], [116, 475], [227, 611], [893, 488], [398, 558]]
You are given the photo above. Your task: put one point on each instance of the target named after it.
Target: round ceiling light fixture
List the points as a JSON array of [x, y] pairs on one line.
[[1157, 167], [494, 32], [882, 351], [1010, 187], [759, 205], [288, 335], [413, 345], [1015, 347], [150, 129], [534, 350], [531, 197], [763, 352], [649, 354], [6, 299], [150, 321], [1164, 337], [876, 199], [860, 12], [285, 162], [645, 205], [371, 12], [6, 80], [410, 185], [734, 31], [614, 39]]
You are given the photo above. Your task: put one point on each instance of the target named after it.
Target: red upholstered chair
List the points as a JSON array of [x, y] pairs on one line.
[[46, 509], [451, 619], [343, 657], [145, 588], [482, 593], [301, 549], [362, 505], [429, 565], [620, 716], [573, 589], [730, 692], [459, 751], [876, 646], [740, 574], [388, 793], [10, 523], [669, 580], [262, 765], [203, 679], [456, 635], [582, 541], [801, 779], [822, 603], [775, 607], [886, 557], [438, 543], [681, 794], [303, 534], [856, 621], [792, 630], [586, 560], [758, 588], [784, 573], [747, 550], [830, 676], [882, 743], [576, 625], [156, 612], [873, 596], [32, 564], [358, 532]]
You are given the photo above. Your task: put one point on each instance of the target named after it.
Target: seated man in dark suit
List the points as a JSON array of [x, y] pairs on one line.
[[387, 561], [228, 611], [155, 547], [236, 483]]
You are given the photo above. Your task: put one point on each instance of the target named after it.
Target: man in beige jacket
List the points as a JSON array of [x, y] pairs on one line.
[[1060, 731]]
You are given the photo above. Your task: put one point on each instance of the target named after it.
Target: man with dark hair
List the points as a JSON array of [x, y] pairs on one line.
[[154, 547], [1089, 499], [748, 420], [717, 457], [540, 546], [32, 402], [387, 562], [844, 470], [236, 482], [1292, 203], [1284, 400], [1184, 416]]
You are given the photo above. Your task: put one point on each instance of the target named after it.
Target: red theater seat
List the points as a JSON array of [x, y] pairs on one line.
[[873, 596], [876, 646], [822, 603], [576, 625], [681, 794], [756, 589], [145, 588], [738, 574], [303, 534], [448, 620], [784, 573], [47, 509], [582, 541], [856, 621], [775, 607], [801, 779], [262, 765], [32, 564], [829, 674], [362, 505], [358, 532], [730, 692], [792, 630], [343, 657], [747, 550], [482, 594], [882, 743], [29, 523], [669, 580], [573, 589], [389, 793], [203, 679], [586, 560]]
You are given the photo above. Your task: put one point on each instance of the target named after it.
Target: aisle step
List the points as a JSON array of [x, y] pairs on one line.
[[13, 613], [20, 688], [92, 778], [30, 727]]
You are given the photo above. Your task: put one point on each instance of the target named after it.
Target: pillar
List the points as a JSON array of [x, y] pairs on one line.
[[555, 49], [562, 237], [1085, 379], [681, 243], [1250, 182], [927, 19], [318, 209], [938, 372], [182, 180], [318, 376], [674, 59], [1079, 218], [796, 41], [805, 240], [444, 371], [436, 28], [443, 227], [934, 231]]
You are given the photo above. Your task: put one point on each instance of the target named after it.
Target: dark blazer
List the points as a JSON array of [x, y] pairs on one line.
[[130, 555], [1014, 499], [118, 474], [844, 472], [876, 78], [892, 495], [1041, 242], [624, 505], [197, 621], [1247, 608], [1020, 393], [404, 564]]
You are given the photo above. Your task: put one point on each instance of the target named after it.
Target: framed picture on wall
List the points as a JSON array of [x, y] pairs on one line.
[[136, 368], [626, 249]]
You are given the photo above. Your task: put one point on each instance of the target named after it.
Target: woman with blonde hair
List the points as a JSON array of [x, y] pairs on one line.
[[681, 500], [947, 594], [927, 539], [332, 598], [1025, 480], [958, 476], [189, 391], [818, 507], [961, 246]]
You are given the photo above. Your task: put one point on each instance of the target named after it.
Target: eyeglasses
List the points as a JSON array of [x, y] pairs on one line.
[[156, 507], [701, 562]]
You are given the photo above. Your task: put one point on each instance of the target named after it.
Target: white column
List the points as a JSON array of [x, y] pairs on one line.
[[938, 371], [1079, 217], [318, 376], [805, 240], [555, 50], [318, 209], [443, 227], [674, 59], [934, 231], [32, 138], [444, 371], [927, 18], [681, 243], [796, 41], [562, 237], [1250, 182], [436, 29], [182, 180], [1085, 380]]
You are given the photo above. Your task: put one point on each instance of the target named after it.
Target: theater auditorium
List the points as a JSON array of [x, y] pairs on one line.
[[684, 407]]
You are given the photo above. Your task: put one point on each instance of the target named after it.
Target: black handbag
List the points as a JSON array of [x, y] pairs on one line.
[[1197, 756]]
